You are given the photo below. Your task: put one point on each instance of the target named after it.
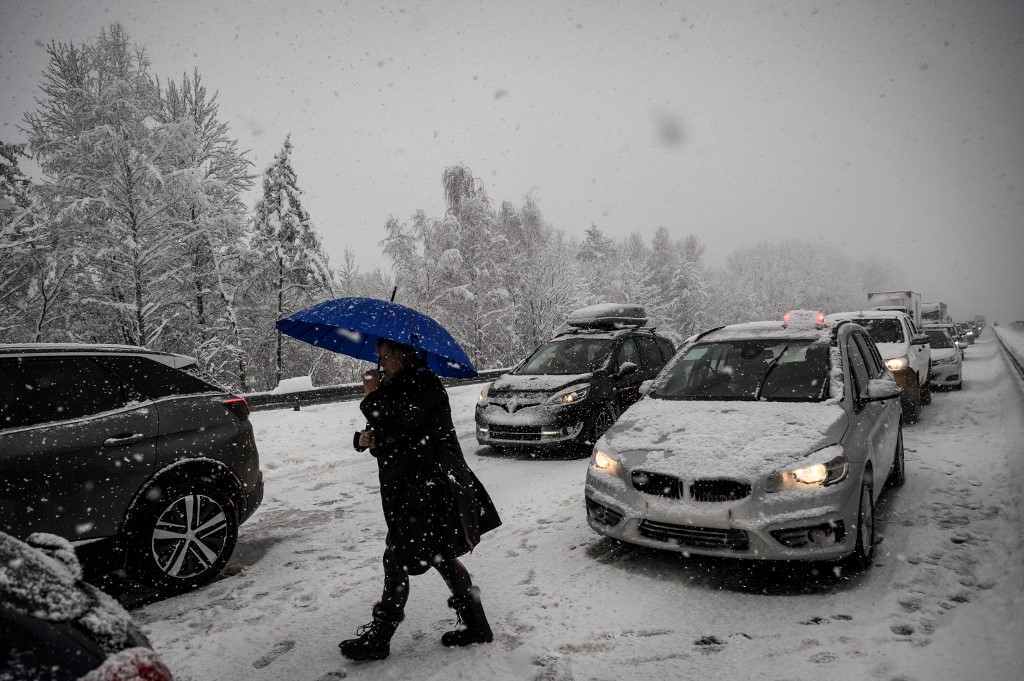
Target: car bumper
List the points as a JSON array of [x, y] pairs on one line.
[[948, 374], [532, 427], [794, 525], [253, 498]]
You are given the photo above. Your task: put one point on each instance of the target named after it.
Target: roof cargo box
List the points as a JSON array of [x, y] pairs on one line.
[[608, 316]]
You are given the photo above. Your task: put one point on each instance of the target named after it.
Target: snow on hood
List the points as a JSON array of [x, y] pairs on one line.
[[42, 579], [891, 350], [538, 382], [722, 439]]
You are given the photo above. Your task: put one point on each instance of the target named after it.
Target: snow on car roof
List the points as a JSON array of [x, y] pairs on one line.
[[866, 314], [767, 330], [608, 314], [169, 358]]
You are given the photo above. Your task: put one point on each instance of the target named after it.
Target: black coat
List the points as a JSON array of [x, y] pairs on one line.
[[435, 507]]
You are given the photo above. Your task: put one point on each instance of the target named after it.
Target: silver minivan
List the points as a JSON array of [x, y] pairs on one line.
[[767, 440]]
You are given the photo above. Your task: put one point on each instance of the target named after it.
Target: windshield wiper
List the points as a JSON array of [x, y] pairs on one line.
[[767, 370]]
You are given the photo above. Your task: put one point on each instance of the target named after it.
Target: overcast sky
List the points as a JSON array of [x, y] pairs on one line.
[[894, 129]]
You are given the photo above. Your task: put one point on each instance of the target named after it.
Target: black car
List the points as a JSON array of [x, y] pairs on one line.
[[129, 453], [574, 386], [55, 626]]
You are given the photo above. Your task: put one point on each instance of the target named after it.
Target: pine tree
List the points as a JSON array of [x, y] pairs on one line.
[[210, 176], [98, 137], [294, 269]]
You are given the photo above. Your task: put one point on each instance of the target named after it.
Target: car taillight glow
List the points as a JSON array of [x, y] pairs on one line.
[[238, 406]]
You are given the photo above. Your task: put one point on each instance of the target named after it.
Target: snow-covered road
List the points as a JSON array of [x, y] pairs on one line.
[[943, 600]]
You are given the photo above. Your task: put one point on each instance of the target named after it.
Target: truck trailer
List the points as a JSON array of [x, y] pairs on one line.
[[904, 301], [934, 313]]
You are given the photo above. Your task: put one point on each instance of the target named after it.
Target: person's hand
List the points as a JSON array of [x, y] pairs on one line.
[[371, 381], [366, 439]]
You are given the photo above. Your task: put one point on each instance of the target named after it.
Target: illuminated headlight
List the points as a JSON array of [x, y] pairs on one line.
[[832, 468], [483, 394], [897, 364], [604, 462], [571, 395]]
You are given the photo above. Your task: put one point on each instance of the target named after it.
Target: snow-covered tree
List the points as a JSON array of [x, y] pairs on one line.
[[210, 174], [98, 136], [293, 269]]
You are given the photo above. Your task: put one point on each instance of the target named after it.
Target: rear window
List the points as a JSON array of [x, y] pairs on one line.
[[155, 380], [883, 330], [940, 340]]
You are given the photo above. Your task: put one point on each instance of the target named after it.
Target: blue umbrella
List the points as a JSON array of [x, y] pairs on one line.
[[351, 326]]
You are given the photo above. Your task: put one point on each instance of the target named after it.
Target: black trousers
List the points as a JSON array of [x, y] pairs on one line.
[[396, 580]]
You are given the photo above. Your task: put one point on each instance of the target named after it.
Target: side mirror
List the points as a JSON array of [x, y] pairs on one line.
[[880, 389], [921, 339], [627, 368], [646, 387]]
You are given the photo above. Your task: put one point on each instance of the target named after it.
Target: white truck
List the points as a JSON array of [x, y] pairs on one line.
[[934, 313], [908, 302]]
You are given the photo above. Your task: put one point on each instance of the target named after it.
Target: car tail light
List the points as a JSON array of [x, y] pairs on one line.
[[133, 664], [238, 406]]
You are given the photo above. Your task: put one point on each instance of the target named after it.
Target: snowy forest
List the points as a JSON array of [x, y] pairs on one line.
[[138, 232]]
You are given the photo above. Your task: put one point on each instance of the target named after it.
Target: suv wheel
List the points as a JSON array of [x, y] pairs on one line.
[[926, 393], [864, 551], [184, 538], [897, 474], [603, 420], [912, 409]]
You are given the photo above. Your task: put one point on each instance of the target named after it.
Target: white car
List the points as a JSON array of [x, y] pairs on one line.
[[906, 354], [763, 441], [947, 360]]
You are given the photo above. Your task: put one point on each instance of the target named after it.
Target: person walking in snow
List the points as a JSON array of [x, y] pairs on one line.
[[434, 506]]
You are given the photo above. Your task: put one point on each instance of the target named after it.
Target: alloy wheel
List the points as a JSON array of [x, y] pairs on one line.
[[189, 536]]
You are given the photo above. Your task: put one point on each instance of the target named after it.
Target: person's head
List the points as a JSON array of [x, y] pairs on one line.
[[395, 356]]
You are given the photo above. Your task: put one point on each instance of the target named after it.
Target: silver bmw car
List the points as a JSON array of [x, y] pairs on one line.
[[766, 440]]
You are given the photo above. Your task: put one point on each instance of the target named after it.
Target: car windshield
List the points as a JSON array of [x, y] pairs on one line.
[[883, 329], [777, 370], [567, 356], [939, 340]]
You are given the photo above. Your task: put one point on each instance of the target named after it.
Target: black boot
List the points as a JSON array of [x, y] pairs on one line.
[[374, 642], [472, 626]]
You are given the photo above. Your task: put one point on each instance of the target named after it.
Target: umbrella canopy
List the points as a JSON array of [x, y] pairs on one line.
[[351, 326]]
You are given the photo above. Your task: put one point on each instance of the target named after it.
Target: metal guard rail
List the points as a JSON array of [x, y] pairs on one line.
[[342, 393]]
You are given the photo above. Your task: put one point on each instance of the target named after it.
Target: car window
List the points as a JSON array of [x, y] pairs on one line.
[[858, 369], [778, 370], [567, 356], [628, 353], [667, 349], [44, 390], [869, 352], [939, 340], [883, 330], [650, 356], [155, 380]]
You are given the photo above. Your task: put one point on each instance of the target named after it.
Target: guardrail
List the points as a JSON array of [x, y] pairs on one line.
[[1013, 344], [342, 393]]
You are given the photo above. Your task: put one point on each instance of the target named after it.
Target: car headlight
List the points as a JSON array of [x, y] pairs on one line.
[[831, 467], [570, 395], [604, 462], [947, 360], [483, 394], [897, 363]]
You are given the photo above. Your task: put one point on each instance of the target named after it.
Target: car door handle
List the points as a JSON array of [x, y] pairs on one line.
[[123, 439]]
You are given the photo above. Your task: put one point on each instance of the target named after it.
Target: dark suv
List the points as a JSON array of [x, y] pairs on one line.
[[574, 386], [130, 454]]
